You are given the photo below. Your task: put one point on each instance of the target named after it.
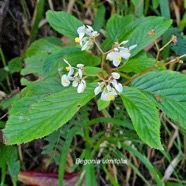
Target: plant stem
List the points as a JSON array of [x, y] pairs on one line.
[[176, 60], [98, 46], [160, 49], [103, 57]]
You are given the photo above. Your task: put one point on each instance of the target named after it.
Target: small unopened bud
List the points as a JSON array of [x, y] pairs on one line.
[[174, 39], [180, 61], [151, 32]]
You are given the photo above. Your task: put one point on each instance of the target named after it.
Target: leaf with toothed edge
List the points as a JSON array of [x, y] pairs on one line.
[[167, 89], [144, 116], [47, 115]]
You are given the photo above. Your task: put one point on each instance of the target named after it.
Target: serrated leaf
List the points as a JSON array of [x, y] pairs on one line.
[[138, 64], [46, 116], [43, 46], [15, 65], [34, 92], [140, 34], [117, 27], [167, 89], [73, 55], [64, 23], [37, 53], [102, 104], [144, 116]]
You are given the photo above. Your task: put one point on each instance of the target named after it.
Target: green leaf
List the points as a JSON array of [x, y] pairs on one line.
[[116, 27], [146, 162], [155, 4], [139, 7], [165, 8], [64, 23], [3, 74], [9, 157], [73, 55], [65, 149], [90, 176], [44, 46], [102, 104], [15, 65], [138, 64], [167, 89], [100, 18], [144, 116], [46, 115], [140, 34], [37, 53]]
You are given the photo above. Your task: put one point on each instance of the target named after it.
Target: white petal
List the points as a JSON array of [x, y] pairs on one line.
[[71, 71], [75, 83], [81, 35], [81, 29], [116, 62], [97, 90], [81, 87], [103, 94], [67, 62], [108, 96], [90, 28], [80, 73], [65, 81], [112, 55], [132, 47], [124, 42], [118, 87], [80, 65], [115, 75], [87, 45], [95, 33], [125, 53]]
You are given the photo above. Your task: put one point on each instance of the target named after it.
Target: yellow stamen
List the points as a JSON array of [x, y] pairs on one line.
[[68, 68], [110, 97], [77, 40], [128, 51], [119, 58], [64, 81]]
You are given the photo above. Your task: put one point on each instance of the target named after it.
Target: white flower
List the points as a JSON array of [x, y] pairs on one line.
[[80, 83], [86, 37], [70, 69], [80, 70], [86, 43], [125, 52], [117, 86], [75, 75], [108, 96], [119, 53], [65, 81], [110, 88], [115, 57]]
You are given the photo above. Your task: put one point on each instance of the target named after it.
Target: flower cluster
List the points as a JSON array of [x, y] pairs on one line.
[[86, 37], [110, 88], [76, 77], [119, 53]]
